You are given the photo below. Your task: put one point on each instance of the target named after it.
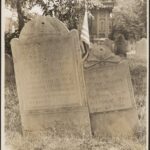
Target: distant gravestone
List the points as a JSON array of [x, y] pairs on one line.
[[111, 99], [109, 43], [49, 77], [100, 54], [141, 49]]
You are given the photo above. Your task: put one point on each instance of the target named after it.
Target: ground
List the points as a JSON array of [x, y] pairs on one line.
[[50, 141]]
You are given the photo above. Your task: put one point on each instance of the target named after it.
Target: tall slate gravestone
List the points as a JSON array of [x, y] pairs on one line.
[[110, 94], [49, 77]]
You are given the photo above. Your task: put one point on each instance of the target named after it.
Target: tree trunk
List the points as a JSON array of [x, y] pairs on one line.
[[20, 15]]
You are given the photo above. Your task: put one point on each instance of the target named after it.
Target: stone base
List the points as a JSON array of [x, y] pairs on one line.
[[114, 123], [60, 121]]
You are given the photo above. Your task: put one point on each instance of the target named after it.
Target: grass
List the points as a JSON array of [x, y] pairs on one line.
[[50, 141]]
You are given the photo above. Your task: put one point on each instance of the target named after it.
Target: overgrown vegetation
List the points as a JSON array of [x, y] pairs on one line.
[[131, 26], [50, 140], [130, 19], [68, 11]]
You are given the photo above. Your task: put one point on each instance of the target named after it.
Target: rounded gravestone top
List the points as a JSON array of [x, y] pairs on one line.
[[43, 25]]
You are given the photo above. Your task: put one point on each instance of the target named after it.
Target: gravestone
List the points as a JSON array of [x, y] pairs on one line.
[[110, 98], [99, 54], [141, 49], [49, 77], [110, 44]]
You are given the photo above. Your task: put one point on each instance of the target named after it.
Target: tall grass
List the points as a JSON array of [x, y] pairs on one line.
[[51, 141]]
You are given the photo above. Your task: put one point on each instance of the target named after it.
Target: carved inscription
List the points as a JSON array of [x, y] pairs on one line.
[[108, 88], [48, 75]]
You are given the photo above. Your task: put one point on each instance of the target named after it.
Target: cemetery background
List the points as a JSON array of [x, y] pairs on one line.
[[48, 140]]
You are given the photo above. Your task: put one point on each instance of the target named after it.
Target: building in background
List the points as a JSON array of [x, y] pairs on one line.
[[100, 27]]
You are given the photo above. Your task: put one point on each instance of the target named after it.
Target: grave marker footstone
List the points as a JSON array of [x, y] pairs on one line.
[[49, 77]]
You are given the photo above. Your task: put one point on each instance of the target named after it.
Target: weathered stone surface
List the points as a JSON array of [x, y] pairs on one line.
[[100, 54], [109, 88], [110, 96], [115, 123], [49, 74], [49, 68], [73, 120]]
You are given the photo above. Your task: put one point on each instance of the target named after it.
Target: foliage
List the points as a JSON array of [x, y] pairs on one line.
[[68, 11], [141, 10], [53, 141], [129, 19], [19, 5]]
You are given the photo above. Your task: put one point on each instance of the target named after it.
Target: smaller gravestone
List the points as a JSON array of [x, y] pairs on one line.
[[141, 49], [110, 94]]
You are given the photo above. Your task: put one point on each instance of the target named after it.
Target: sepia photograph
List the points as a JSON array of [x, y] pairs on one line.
[[74, 74]]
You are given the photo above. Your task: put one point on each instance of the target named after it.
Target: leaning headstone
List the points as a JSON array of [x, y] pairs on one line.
[[110, 97], [141, 49], [49, 78]]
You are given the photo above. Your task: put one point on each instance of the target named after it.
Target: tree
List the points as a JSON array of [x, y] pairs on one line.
[[68, 11], [141, 10], [129, 19], [21, 6]]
